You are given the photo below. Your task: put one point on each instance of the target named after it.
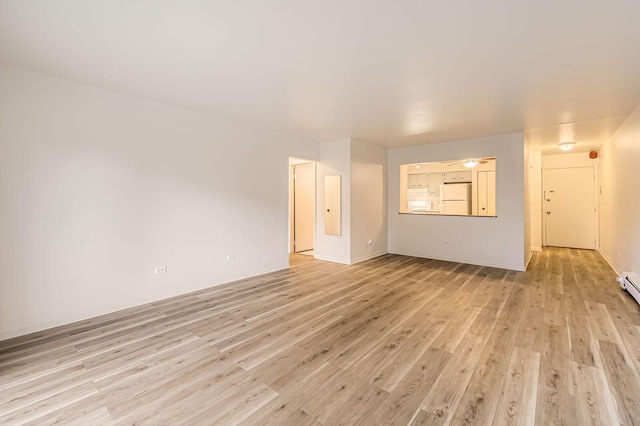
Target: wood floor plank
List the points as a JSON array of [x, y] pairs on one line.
[[529, 334], [581, 339], [97, 417], [289, 400], [556, 404], [364, 399], [390, 323], [144, 406], [593, 397], [43, 387], [88, 410], [47, 405], [441, 402], [517, 404], [392, 340], [406, 398], [331, 397], [630, 338], [457, 328], [603, 328], [393, 370], [156, 372], [479, 400], [231, 410], [622, 382], [289, 366]]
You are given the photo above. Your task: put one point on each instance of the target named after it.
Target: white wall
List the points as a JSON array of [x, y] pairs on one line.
[[368, 200], [98, 188], [492, 241], [363, 168], [571, 159], [620, 197], [335, 159]]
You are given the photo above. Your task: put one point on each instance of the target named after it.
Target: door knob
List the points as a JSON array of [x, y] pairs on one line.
[[548, 212]]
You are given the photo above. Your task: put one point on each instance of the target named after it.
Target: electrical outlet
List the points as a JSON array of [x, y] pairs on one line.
[[369, 242], [160, 270], [231, 258]]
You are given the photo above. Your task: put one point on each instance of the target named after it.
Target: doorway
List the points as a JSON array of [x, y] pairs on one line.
[[302, 194], [569, 213]]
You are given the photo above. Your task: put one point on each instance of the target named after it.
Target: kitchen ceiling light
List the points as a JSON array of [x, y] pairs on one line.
[[470, 164], [566, 146]]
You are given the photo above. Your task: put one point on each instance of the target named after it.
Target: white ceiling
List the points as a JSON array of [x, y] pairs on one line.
[[587, 135], [392, 72]]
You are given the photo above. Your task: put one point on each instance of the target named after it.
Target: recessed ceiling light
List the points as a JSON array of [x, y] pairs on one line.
[[566, 146]]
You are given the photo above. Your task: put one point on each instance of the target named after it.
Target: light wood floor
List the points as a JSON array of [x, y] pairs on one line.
[[395, 340]]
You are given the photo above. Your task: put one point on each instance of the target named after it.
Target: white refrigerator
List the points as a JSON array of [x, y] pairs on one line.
[[455, 198]]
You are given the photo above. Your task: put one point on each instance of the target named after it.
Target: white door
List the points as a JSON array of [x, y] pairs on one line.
[[486, 193], [569, 207], [303, 206], [434, 180], [491, 193]]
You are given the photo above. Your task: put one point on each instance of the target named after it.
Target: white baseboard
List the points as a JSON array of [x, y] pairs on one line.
[[331, 259], [367, 257], [526, 264], [465, 261], [536, 248], [609, 261]]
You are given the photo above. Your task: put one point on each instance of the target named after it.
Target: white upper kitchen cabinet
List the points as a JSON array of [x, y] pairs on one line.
[[456, 177]]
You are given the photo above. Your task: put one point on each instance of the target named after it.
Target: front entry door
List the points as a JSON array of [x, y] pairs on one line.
[[569, 212]]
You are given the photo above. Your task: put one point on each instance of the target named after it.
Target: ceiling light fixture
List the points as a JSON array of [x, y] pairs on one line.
[[566, 146], [470, 164]]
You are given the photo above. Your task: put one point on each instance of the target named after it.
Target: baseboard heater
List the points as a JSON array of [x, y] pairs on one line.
[[630, 282]]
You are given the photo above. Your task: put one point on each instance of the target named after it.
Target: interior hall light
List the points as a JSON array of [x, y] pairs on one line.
[[566, 146]]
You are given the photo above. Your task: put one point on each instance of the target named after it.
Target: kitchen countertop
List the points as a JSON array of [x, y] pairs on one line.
[[428, 212]]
